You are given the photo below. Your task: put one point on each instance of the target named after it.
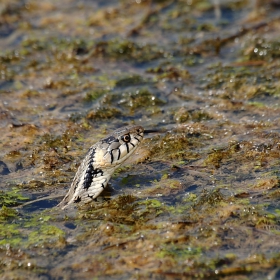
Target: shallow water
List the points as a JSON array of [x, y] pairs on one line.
[[200, 199]]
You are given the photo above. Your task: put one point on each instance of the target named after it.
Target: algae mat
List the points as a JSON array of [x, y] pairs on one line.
[[201, 197]]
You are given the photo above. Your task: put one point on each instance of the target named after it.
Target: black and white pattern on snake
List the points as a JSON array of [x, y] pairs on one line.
[[100, 163]]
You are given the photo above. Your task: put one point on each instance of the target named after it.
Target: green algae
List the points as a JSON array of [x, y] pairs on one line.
[[32, 231], [152, 203], [7, 213], [47, 235], [11, 198], [10, 234]]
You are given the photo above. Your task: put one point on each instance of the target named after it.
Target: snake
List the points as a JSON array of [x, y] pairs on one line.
[[99, 164]]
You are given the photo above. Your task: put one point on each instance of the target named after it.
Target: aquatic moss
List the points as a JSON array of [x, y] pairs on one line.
[[55, 44], [46, 235], [141, 99], [258, 91], [103, 113], [180, 251], [177, 146], [262, 49], [56, 141], [219, 155], [7, 74], [10, 234], [122, 201], [127, 50], [121, 169], [94, 95], [32, 230], [169, 72], [7, 213], [152, 203], [126, 210], [32, 44], [132, 80], [211, 198], [165, 187], [52, 150], [243, 83], [184, 115], [267, 183], [122, 210]]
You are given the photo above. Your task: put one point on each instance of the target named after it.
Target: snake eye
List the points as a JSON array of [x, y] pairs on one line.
[[126, 138]]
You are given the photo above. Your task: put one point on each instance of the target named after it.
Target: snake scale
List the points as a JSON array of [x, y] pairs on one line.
[[100, 162]]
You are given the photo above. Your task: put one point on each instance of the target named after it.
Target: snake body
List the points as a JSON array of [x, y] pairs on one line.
[[102, 159]]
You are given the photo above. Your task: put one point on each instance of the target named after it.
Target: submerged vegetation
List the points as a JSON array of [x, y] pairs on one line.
[[200, 198]]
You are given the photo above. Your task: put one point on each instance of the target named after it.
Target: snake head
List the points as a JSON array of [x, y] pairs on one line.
[[121, 144]]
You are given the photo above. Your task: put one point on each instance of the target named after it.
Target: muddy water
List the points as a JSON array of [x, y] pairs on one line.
[[201, 197]]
